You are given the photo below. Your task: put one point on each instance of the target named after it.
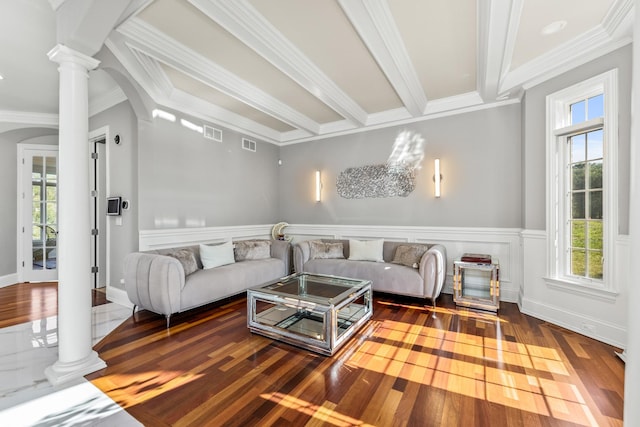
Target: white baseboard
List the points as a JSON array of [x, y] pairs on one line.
[[9, 279], [576, 322], [119, 296]]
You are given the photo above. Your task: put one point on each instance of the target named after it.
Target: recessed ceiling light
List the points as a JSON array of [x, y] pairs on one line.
[[1, 77], [553, 28]]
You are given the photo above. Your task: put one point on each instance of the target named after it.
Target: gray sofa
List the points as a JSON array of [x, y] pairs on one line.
[[425, 281], [157, 282]]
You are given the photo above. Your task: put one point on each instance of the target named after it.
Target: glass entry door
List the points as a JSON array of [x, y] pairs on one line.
[[40, 235]]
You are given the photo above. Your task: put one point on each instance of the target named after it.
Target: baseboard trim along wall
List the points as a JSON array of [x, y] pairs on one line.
[[9, 279], [119, 296], [589, 326], [598, 315]]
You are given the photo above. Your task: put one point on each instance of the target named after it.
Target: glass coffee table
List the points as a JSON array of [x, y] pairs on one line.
[[313, 311]]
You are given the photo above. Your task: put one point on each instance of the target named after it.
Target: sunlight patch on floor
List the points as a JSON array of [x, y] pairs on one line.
[[405, 350], [324, 413], [131, 389]]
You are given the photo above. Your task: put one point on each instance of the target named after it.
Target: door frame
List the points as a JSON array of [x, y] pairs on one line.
[[93, 135], [103, 132], [21, 194]]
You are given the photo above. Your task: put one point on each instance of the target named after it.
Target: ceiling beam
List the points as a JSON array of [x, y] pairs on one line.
[[375, 24], [155, 44], [498, 22], [245, 23]]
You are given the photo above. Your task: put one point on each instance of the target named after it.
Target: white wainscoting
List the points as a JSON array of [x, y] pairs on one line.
[[598, 316], [9, 279], [522, 256], [503, 243], [175, 237]]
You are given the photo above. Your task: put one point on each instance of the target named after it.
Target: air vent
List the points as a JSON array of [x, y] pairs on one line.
[[248, 144], [212, 133]]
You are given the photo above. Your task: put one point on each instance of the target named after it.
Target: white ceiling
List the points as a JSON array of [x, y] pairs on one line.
[[295, 70]]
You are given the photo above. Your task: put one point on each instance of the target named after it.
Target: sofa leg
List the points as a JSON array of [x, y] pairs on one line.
[[168, 316], [134, 310]]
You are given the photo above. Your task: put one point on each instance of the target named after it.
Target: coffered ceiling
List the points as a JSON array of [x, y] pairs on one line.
[[296, 70]]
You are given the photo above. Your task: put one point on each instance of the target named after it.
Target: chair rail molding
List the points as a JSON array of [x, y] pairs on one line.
[[174, 237]]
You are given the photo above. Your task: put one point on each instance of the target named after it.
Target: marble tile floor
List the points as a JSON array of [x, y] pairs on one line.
[[27, 398]]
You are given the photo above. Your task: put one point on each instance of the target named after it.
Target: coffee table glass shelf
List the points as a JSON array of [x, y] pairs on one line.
[[313, 311]]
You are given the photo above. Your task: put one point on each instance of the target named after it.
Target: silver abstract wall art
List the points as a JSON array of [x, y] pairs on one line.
[[376, 181]]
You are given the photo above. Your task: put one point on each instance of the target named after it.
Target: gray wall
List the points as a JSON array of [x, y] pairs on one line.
[[123, 177], [8, 207], [480, 164], [534, 119], [186, 180]]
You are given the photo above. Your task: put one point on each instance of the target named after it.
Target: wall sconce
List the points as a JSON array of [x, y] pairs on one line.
[[437, 177], [318, 186]]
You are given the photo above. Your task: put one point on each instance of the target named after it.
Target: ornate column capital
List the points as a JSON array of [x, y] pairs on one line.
[[62, 54]]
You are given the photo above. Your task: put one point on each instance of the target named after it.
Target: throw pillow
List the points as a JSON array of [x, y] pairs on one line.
[[216, 255], [366, 250], [409, 255], [252, 249], [322, 250], [187, 258]]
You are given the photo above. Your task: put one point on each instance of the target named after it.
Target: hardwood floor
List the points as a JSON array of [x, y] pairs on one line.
[[409, 366], [26, 302]]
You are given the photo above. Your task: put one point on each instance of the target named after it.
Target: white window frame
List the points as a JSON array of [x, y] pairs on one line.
[[558, 129]]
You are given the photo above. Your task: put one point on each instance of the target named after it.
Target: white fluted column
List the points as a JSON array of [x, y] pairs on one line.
[[76, 357], [632, 352]]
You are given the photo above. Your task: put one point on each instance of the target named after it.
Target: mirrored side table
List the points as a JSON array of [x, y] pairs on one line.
[[477, 285]]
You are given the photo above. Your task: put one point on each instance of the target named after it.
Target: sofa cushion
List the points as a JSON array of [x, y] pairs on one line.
[[187, 259], [366, 250], [409, 255], [252, 250], [325, 250], [205, 286], [385, 277], [216, 255]]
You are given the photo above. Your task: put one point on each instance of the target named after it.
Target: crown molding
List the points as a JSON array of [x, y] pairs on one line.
[[156, 76], [142, 67], [194, 106], [618, 14], [155, 44], [578, 51], [245, 23], [375, 25], [29, 118], [613, 33], [105, 101], [445, 107]]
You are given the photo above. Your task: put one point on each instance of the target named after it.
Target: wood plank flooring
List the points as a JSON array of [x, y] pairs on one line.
[[26, 302], [410, 366]]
